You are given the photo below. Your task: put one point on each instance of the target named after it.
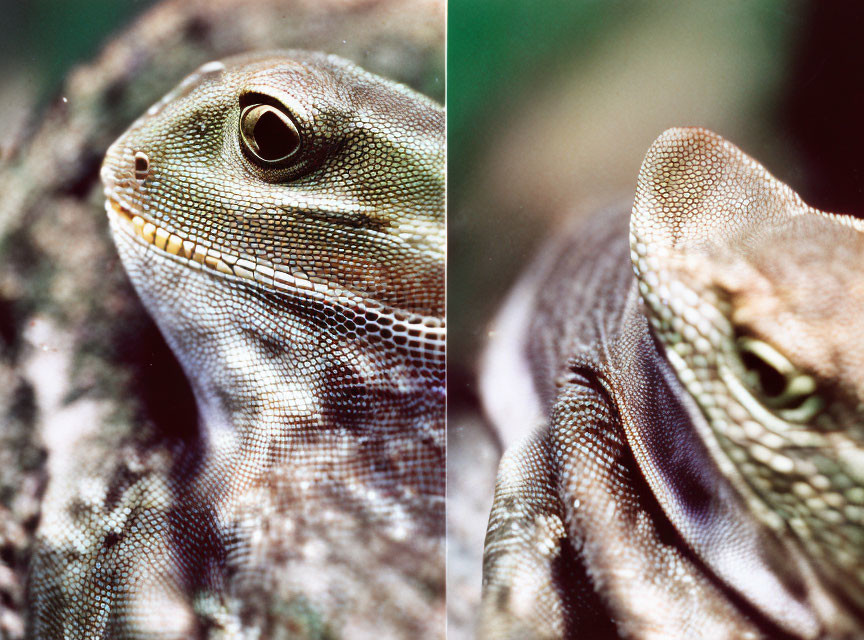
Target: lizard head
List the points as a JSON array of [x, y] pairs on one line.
[[758, 302], [281, 216], [291, 170]]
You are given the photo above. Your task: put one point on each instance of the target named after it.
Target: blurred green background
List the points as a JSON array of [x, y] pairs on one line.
[[40, 41], [43, 39], [50, 36], [552, 105]]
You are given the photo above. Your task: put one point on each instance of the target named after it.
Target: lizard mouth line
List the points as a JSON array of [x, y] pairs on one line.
[[196, 255]]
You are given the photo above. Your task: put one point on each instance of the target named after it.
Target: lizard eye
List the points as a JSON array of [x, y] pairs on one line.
[[776, 381], [268, 134]]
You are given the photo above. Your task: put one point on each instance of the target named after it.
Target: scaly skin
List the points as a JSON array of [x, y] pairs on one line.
[[698, 471], [304, 300]]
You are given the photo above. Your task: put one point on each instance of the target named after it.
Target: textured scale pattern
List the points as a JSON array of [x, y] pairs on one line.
[[702, 448], [305, 303]]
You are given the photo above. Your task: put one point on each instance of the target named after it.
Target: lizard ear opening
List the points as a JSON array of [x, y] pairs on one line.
[[696, 190]]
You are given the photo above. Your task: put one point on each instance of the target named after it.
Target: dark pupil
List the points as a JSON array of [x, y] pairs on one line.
[[274, 138], [771, 381]]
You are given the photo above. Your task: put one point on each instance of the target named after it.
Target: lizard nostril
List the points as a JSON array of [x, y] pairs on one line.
[[142, 165]]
